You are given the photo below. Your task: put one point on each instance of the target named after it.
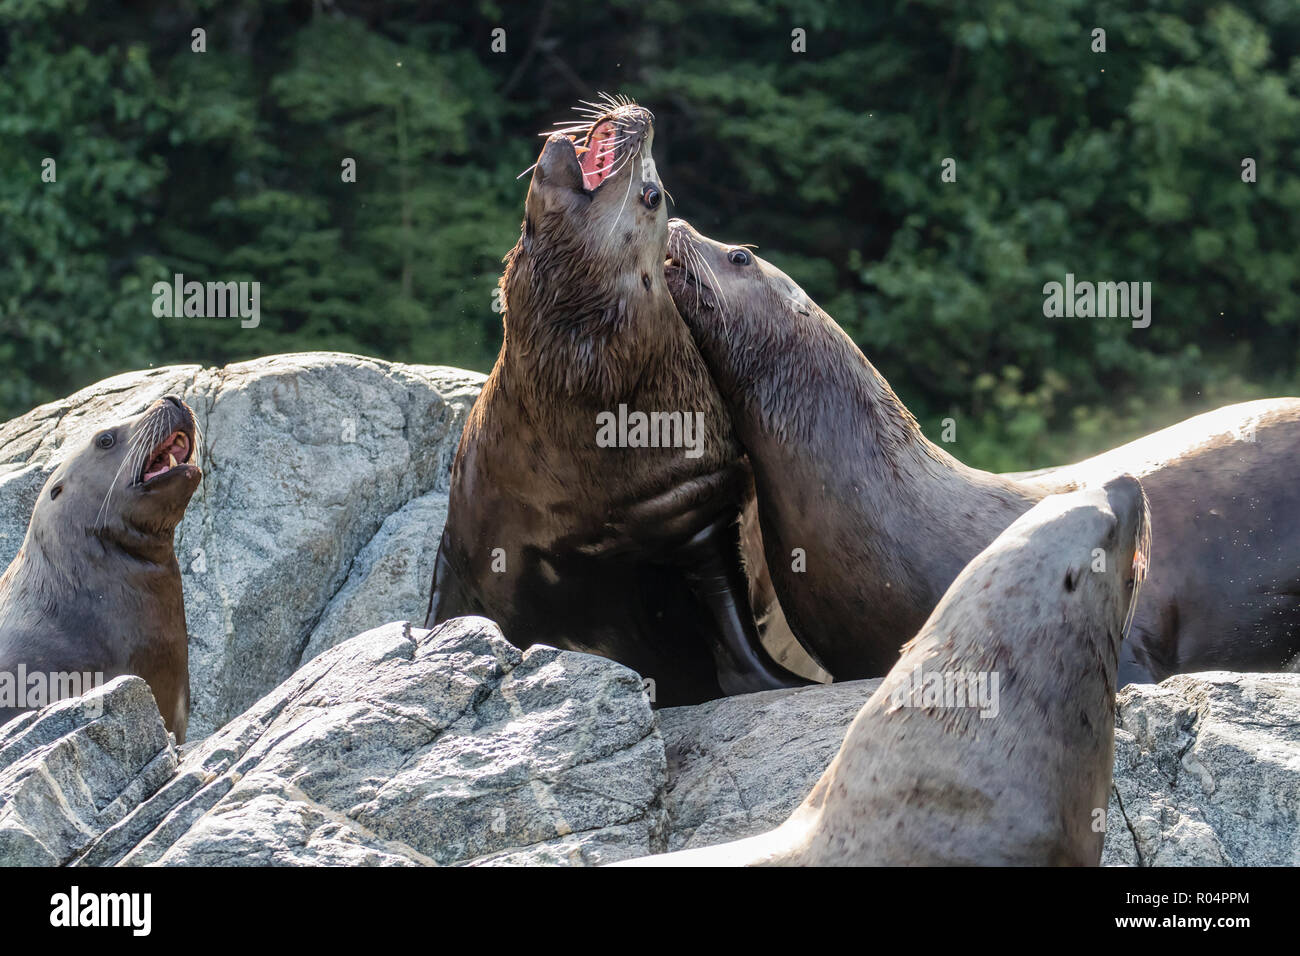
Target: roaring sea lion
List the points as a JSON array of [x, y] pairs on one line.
[[991, 741], [596, 488], [95, 587], [866, 523]]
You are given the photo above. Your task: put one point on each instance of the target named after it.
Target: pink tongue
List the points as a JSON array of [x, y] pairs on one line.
[[598, 159]]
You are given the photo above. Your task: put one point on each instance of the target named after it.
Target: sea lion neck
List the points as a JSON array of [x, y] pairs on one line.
[[145, 547], [803, 398], [864, 521], [854, 409], [585, 339], [133, 551]]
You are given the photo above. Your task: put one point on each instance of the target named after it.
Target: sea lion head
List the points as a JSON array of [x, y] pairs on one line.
[[1086, 552], [735, 303], [584, 296], [595, 203], [698, 268], [127, 485]]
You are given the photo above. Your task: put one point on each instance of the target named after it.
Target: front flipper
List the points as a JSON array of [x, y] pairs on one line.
[[447, 595], [1131, 669], [711, 562]]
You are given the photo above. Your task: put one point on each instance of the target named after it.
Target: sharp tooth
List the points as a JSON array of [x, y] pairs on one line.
[[171, 460]]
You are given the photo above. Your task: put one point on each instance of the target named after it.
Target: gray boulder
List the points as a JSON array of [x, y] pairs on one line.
[[410, 747], [390, 578], [404, 746], [306, 456], [1207, 767], [319, 518], [1207, 772], [740, 765], [73, 769]]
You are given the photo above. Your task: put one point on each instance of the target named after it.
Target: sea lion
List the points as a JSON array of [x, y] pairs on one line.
[[991, 741], [884, 519], [95, 587], [571, 522]]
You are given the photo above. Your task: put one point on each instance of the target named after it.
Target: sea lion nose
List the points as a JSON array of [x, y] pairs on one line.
[[174, 400]]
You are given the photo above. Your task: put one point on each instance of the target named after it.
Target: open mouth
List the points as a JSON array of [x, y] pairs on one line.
[[612, 132], [597, 154], [678, 269], [673, 264], [173, 452]]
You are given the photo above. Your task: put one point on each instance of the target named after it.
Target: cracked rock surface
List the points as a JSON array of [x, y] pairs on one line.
[[406, 746], [1207, 767], [740, 765], [1207, 772], [75, 768], [322, 504], [305, 458]]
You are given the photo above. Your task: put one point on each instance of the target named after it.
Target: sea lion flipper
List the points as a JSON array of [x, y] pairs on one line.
[[447, 596], [1131, 670], [711, 560]]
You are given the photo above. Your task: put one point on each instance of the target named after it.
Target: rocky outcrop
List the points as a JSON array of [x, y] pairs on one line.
[[306, 457], [75, 768], [1207, 772], [405, 746], [318, 520], [1207, 767], [411, 747], [389, 579], [740, 765]]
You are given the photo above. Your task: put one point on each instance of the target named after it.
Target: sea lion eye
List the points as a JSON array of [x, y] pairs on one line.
[[105, 440], [55, 491], [739, 257], [650, 196]]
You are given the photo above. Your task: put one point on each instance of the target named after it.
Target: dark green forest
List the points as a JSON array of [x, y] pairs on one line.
[[1122, 165]]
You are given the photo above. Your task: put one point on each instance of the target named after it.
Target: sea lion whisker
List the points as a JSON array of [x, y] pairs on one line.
[[149, 437], [1142, 563], [693, 266], [606, 148], [614, 222], [101, 516], [137, 441], [724, 306], [690, 255], [200, 441], [626, 158], [697, 258]]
